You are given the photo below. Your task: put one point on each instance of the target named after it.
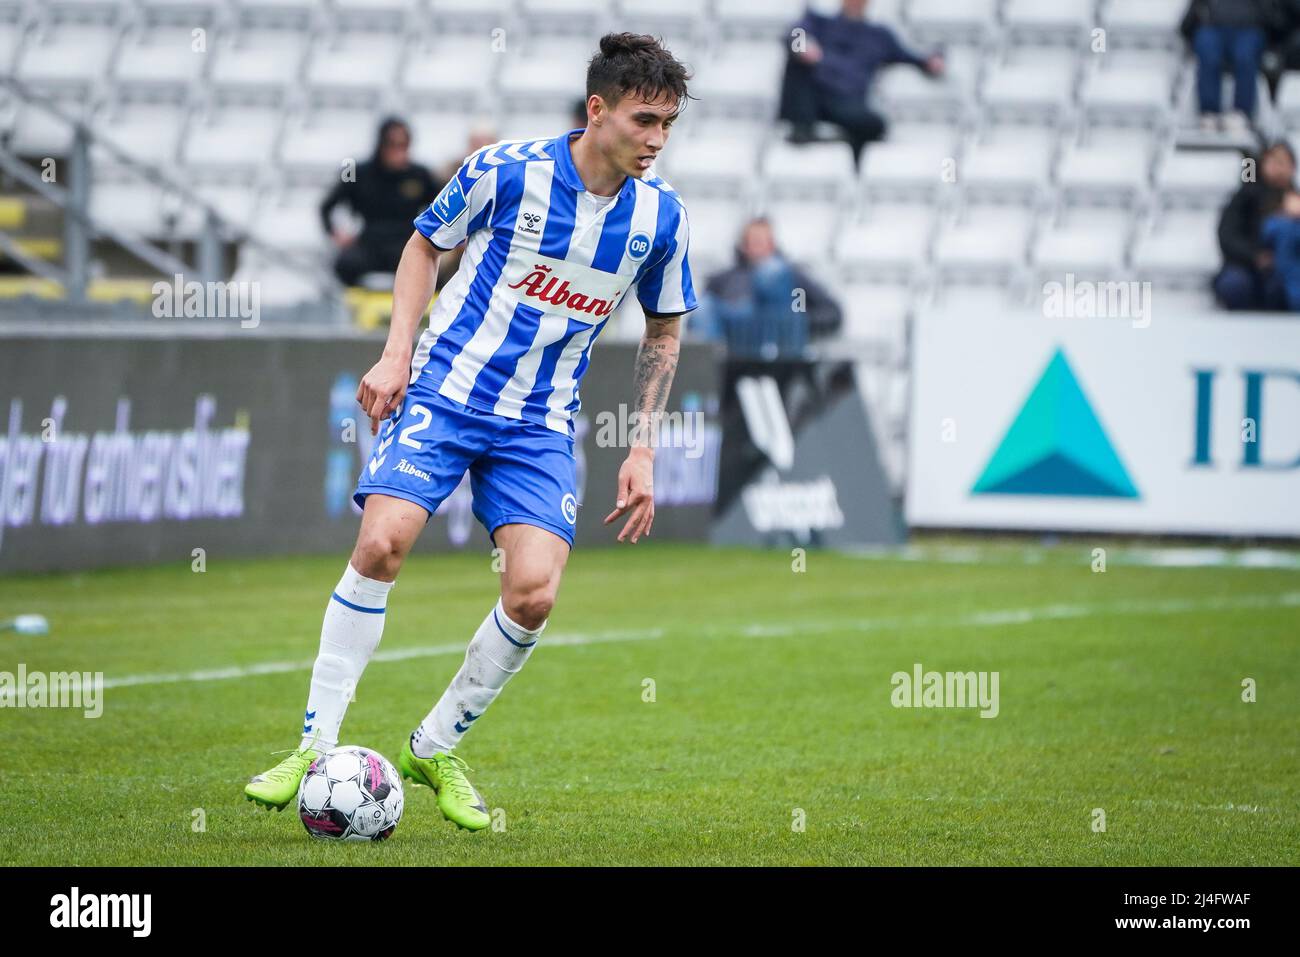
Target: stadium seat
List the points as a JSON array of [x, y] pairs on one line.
[[1040, 84], [912, 164], [160, 61], [1132, 94], [438, 139], [715, 225], [804, 229], [893, 239], [1202, 178], [236, 202], [463, 68], [1143, 22], [549, 71], [1060, 21], [127, 203], [822, 168], [1182, 248], [767, 18], [1086, 242], [1014, 161], [257, 61], [876, 315], [904, 92], [291, 220], [966, 21], [716, 157], [68, 55], [963, 245], [534, 124], [354, 63], [239, 137], [150, 133], [320, 143], [1288, 99], [743, 77], [1106, 169]]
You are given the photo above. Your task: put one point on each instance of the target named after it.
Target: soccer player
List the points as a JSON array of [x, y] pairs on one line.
[[557, 232]]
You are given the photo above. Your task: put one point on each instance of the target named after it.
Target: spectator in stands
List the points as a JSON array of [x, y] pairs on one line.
[[1247, 279], [829, 71], [387, 192], [1229, 33], [765, 307], [479, 137], [1282, 233]]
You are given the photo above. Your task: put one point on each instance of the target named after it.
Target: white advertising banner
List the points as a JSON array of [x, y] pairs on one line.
[[1188, 425]]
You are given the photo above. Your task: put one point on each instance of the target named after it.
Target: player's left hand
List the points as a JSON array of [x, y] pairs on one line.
[[635, 494]]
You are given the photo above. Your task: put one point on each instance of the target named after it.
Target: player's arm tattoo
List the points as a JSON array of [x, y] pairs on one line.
[[652, 377]]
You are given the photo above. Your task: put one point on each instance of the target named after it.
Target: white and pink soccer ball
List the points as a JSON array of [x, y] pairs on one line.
[[350, 794]]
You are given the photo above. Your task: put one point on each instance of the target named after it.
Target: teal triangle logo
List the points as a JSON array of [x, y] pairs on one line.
[[1056, 445]]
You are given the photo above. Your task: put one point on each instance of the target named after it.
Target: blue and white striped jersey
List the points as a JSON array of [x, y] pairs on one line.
[[543, 270]]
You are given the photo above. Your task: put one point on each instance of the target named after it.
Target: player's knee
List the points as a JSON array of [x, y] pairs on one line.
[[378, 554], [530, 607]]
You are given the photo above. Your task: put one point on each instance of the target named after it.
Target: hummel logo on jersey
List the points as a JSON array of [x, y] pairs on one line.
[[530, 223], [409, 469], [540, 284]]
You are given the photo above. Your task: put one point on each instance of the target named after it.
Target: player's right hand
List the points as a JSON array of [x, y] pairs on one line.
[[383, 388]]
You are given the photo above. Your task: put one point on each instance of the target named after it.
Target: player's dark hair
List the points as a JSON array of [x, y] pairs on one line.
[[638, 64]]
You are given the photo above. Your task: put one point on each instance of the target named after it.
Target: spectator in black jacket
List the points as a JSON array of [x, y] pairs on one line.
[[765, 307], [387, 192], [1248, 279], [832, 61]]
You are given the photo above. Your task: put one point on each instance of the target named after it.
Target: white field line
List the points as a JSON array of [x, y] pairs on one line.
[[980, 619]]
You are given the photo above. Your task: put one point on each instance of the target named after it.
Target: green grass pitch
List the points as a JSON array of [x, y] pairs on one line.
[[772, 689]]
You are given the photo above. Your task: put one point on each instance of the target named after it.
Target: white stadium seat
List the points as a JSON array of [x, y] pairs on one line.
[[1031, 84], [1012, 160], [258, 60], [1105, 169], [149, 133], [913, 168], [233, 137], [1201, 178], [161, 58], [322, 142], [825, 168], [1067, 20], [461, 67], [804, 229], [888, 238], [354, 62], [1140, 93], [292, 220], [1183, 246], [965, 244], [1087, 242], [968, 20], [67, 55], [744, 76]]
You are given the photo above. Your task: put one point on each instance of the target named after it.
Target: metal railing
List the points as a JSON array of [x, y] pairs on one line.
[[80, 226]]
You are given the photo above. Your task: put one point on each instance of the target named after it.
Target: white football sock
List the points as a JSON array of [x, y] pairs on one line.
[[498, 650], [354, 622]]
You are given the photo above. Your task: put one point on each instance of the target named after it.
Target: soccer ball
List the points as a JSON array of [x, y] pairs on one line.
[[350, 794]]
